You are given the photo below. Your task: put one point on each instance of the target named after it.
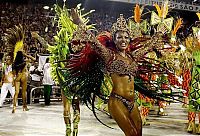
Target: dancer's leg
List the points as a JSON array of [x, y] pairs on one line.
[[191, 122], [76, 116], [144, 113], [67, 114], [4, 91], [24, 88], [122, 116], [136, 118], [17, 87]]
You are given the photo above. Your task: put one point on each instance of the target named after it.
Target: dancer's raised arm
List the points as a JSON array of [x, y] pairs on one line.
[[40, 39], [84, 35], [147, 46]]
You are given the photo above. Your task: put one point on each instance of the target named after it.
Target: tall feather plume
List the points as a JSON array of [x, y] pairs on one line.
[[177, 26], [198, 14], [164, 9], [137, 13], [158, 10]]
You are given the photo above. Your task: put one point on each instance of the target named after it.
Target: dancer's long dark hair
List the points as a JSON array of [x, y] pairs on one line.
[[19, 62]]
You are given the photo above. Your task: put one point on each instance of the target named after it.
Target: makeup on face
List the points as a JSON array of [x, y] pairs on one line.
[[122, 40]]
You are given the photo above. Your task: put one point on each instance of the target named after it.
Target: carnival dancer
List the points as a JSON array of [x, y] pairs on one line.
[[61, 51], [185, 59], [71, 126], [164, 25], [193, 45], [122, 67], [7, 79], [186, 74], [15, 37]]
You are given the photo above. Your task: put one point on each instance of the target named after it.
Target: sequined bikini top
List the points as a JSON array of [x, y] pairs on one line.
[[121, 67]]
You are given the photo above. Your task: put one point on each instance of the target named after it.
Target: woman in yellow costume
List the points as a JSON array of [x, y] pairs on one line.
[[15, 38]]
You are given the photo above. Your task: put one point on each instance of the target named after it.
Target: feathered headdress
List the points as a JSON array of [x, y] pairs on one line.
[[15, 37], [196, 38], [196, 29], [136, 25], [164, 24], [163, 10]]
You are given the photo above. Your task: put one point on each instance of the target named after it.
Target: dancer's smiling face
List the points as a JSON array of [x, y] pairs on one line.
[[121, 39]]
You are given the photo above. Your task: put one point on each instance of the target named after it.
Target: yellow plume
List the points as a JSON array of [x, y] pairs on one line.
[[14, 37], [18, 47], [158, 10], [198, 14], [177, 26], [137, 14]]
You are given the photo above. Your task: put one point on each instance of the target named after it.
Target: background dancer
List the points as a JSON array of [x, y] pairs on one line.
[[15, 37], [7, 79]]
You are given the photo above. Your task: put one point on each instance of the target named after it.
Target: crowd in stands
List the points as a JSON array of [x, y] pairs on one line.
[[33, 18], [103, 21], [36, 18]]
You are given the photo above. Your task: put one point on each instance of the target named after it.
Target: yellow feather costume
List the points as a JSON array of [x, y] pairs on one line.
[[14, 38]]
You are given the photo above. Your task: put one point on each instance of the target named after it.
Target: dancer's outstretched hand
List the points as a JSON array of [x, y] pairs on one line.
[[75, 17]]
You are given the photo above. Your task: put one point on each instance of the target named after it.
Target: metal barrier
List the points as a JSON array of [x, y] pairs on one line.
[[40, 87]]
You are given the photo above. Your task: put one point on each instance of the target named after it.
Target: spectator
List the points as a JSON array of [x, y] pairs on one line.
[[7, 80], [35, 75], [47, 82]]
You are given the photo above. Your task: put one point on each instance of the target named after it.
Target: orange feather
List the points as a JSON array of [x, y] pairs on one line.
[[177, 26], [137, 14]]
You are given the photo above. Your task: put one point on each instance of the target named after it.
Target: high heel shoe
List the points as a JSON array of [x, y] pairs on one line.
[[68, 130], [75, 131], [14, 108], [76, 120], [144, 121], [25, 108]]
